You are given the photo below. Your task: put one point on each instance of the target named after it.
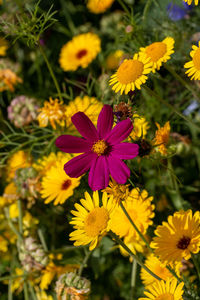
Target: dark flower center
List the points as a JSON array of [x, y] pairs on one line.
[[66, 184], [81, 53], [183, 243]]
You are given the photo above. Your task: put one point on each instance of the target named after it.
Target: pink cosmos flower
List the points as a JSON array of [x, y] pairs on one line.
[[101, 148]]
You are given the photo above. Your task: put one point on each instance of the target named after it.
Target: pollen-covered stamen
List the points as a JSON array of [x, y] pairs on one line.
[[100, 147], [183, 243]]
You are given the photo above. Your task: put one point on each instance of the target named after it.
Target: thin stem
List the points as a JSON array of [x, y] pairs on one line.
[[123, 6], [135, 227], [51, 72], [10, 294], [11, 225], [196, 265], [26, 294], [182, 81], [119, 241], [84, 263], [133, 278], [152, 93], [11, 277], [20, 217], [32, 292], [42, 239]]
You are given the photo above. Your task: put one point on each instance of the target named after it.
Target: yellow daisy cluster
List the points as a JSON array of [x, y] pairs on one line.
[[99, 6], [53, 111], [56, 185], [178, 237], [131, 74], [91, 219], [80, 51]]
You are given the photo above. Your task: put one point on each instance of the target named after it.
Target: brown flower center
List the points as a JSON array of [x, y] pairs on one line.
[[183, 243], [81, 53], [66, 184]]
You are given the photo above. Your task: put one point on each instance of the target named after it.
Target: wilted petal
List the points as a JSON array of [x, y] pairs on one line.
[[85, 126], [118, 169], [72, 144], [99, 174], [120, 132], [105, 121], [80, 164], [125, 150]]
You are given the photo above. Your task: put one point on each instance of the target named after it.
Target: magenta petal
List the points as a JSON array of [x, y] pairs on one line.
[[120, 132], [118, 170], [80, 164], [99, 174], [72, 144], [85, 126], [105, 121], [125, 150]]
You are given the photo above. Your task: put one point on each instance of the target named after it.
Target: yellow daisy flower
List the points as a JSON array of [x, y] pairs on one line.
[[91, 219], [140, 127], [139, 207], [53, 112], [134, 244], [89, 105], [3, 46], [113, 59], [44, 164], [99, 6], [158, 268], [159, 52], [131, 74], [161, 290], [19, 159], [56, 185], [9, 194], [194, 64], [8, 79], [178, 238], [80, 51], [119, 192], [189, 2], [162, 137]]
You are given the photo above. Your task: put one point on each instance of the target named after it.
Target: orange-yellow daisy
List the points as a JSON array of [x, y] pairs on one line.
[[162, 137], [159, 52], [193, 66], [56, 185], [91, 219], [178, 238], [99, 6], [53, 112], [131, 74], [161, 290], [8, 79], [80, 51]]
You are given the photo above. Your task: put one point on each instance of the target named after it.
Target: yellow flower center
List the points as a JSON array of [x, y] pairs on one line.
[[165, 296], [196, 59], [156, 51], [100, 147], [129, 71], [96, 221]]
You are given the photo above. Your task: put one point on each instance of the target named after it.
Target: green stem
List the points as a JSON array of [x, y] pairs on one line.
[[51, 72], [119, 241], [135, 227], [26, 294], [196, 265], [10, 294], [20, 217], [171, 107], [123, 6], [84, 263], [11, 277], [11, 225], [42, 239], [182, 81], [133, 278], [32, 292]]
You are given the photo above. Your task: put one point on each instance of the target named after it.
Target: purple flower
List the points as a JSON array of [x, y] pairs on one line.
[[101, 148], [176, 12]]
